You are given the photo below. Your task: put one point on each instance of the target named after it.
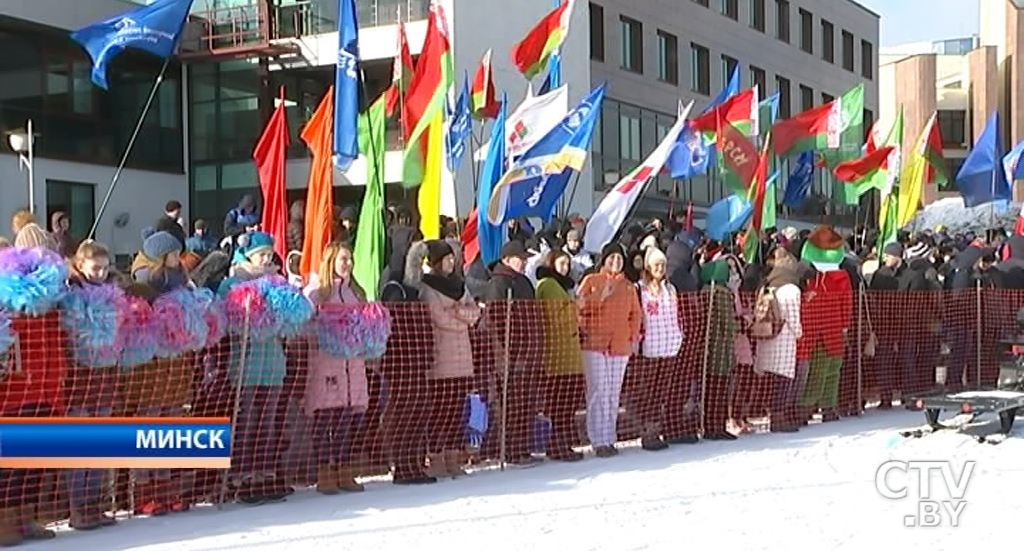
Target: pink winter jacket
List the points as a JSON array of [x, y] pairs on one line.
[[333, 382]]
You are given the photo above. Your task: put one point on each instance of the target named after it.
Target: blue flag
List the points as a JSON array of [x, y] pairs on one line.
[[534, 184], [729, 91], [727, 216], [460, 126], [1012, 165], [982, 178], [490, 235], [799, 185], [690, 156], [346, 87], [154, 28], [554, 79]]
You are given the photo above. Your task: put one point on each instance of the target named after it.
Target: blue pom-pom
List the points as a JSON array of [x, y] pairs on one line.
[[139, 334], [291, 309], [32, 281], [92, 316], [6, 332], [181, 319]]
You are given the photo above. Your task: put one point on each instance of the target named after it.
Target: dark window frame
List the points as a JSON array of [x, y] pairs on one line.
[[867, 59], [806, 31], [828, 41], [784, 88], [849, 55], [700, 69], [596, 32], [635, 63], [782, 22], [757, 15], [668, 57]]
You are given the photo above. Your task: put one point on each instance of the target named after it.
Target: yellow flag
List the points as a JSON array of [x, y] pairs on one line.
[[911, 185], [430, 189]]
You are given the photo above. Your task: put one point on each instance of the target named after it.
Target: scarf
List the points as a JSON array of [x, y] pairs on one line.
[[566, 282], [450, 287]]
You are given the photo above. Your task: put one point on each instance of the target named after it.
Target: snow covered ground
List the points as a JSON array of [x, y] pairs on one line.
[[811, 490]]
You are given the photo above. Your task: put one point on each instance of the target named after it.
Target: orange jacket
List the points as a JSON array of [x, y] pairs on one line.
[[612, 325]]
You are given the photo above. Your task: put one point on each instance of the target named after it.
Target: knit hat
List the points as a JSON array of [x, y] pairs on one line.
[[824, 249], [160, 244], [893, 249], [790, 233], [259, 241], [610, 249], [717, 272], [437, 249], [917, 250], [514, 248], [573, 235], [653, 255]]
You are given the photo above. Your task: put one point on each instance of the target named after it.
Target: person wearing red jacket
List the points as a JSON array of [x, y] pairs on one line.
[[826, 313]]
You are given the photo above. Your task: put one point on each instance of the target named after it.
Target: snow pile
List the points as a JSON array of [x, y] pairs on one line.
[[957, 218], [811, 490]]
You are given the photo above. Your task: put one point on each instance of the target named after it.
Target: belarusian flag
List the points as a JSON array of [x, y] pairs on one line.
[[485, 104], [402, 71], [741, 111], [865, 169], [837, 125], [884, 179], [531, 55], [752, 238], [931, 150], [427, 93]]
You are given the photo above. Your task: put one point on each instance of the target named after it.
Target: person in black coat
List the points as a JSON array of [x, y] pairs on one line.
[[507, 275], [169, 222], [1011, 270], [680, 263]]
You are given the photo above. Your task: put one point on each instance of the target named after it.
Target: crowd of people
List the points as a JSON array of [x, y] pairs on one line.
[[664, 335]]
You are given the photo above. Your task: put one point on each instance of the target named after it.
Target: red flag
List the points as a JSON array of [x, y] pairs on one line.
[[761, 181], [470, 240], [689, 216], [740, 109], [402, 71], [738, 153], [856, 170], [485, 104], [319, 137], [270, 164], [531, 55]]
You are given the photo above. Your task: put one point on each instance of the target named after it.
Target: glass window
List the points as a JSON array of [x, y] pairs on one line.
[[729, 64], [731, 9], [828, 42], [629, 136], [759, 78], [82, 88], [632, 45], [757, 15], [700, 69], [785, 107], [806, 98], [867, 60], [806, 31], [596, 32], [782, 20], [705, 3], [668, 58], [953, 128], [74, 198], [239, 175], [827, 98], [847, 51]]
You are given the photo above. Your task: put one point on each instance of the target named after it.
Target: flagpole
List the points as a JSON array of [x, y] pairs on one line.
[[128, 150], [572, 196], [401, 106]]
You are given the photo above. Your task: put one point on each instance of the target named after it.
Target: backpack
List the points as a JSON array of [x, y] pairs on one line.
[[768, 320]]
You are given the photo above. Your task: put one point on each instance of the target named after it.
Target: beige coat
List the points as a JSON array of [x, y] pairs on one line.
[[451, 321]]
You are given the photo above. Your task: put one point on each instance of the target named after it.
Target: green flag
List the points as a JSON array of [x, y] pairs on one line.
[[768, 218], [369, 250]]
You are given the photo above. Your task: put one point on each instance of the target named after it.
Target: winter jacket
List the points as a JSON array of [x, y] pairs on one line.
[[452, 314], [335, 382], [296, 227], [527, 341], [165, 281], [1011, 270], [662, 333], [503, 280], [399, 240], [31, 235], [201, 245], [580, 262], [610, 325], [264, 363], [680, 266], [162, 382], [562, 354], [171, 226], [825, 311], [778, 355], [722, 336], [43, 366], [238, 218], [66, 245]]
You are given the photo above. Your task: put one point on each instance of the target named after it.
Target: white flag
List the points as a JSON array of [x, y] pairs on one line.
[[531, 121], [616, 206]]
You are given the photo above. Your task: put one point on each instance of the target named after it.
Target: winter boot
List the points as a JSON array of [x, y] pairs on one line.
[[31, 529], [436, 466], [10, 528], [346, 477], [326, 483], [146, 502], [83, 517], [453, 463]]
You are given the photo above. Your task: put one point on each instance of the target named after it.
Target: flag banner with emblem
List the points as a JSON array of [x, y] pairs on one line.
[[532, 186], [532, 54], [346, 87], [154, 28], [531, 121], [618, 203], [836, 125]]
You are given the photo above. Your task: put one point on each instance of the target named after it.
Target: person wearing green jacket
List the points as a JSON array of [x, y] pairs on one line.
[[563, 362], [720, 357]]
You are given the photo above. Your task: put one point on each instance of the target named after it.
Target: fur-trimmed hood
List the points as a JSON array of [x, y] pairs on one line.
[[414, 263]]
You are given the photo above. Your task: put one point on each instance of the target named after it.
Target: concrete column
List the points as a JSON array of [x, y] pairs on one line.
[[915, 86]]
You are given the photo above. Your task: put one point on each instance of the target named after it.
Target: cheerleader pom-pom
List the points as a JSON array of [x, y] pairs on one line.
[[337, 330], [32, 281], [246, 301], [216, 323], [291, 309], [92, 316], [138, 333], [376, 325], [6, 332], [181, 323]]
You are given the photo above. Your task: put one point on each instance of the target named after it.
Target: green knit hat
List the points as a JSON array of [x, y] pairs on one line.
[[717, 272], [824, 249]]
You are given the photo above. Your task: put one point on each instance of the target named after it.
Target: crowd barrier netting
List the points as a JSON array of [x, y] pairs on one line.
[[458, 387]]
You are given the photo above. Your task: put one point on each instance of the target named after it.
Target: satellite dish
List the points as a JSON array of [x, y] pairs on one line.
[[121, 220]]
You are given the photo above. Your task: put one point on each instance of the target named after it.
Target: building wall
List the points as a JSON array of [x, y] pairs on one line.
[[141, 194], [65, 14]]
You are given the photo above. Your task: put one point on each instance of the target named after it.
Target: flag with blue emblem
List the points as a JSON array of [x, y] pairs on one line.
[[690, 156], [346, 87], [798, 187], [459, 127], [154, 28], [535, 182]]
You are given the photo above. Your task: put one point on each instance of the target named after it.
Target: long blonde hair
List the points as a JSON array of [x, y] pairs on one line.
[[325, 275]]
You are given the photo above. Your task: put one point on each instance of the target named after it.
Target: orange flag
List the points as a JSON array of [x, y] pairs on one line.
[[319, 137]]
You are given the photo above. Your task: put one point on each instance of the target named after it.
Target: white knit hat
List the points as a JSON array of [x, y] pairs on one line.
[[653, 255], [917, 251]]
